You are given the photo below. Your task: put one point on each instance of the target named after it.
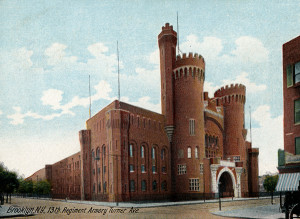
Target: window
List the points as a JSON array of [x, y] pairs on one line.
[[163, 170], [98, 170], [93, 171], [297, 146], [142, 151], [297, 111], [98, 154], [153, 169], [153, 153], [104, 187], [163, 153], [130, 150], [144, 185], [132, 186], [154, 185], [143, 168], [99, 187], [189, 152], [236, 158], [93, 155], [104, 169], [293, 74], [164, 186], [104, 151], [181, 169], [196, 152], [297, 72], [201, 168], [194, 184], [131, 167], [94, 188], [192, 126]]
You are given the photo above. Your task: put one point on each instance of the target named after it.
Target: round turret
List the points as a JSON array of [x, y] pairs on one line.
[[233, 99], [188, 79]]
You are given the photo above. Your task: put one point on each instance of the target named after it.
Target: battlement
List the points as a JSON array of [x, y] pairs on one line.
[[190, 56], [190, 60], [231, 93], [230, 90], [167, 30], [167, 27]]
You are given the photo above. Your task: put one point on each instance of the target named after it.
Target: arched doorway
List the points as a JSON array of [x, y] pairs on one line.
[[226, 185]]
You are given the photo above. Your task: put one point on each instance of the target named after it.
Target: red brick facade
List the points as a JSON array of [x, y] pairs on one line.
[[290, 159], [129, 153]]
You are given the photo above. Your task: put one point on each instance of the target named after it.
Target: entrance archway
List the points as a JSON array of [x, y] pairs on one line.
[[226, 185]]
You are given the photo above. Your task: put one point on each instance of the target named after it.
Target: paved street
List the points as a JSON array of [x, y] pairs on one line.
[[255, 208]]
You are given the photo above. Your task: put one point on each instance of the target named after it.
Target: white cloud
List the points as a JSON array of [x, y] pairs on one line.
[[153, 58], [209, 48], [268, 137], [251, 87], [250, 49], [1, 112], [52, 97], [97, 49], [247, 49], [57, 55], [144, 102]]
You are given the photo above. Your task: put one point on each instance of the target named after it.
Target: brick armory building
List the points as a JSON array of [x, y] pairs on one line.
[[196, 146]]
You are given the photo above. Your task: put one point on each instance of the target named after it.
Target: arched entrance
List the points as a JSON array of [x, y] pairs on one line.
[[226, 185]]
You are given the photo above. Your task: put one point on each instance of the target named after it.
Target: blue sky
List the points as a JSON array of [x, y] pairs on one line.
[[48, 49]]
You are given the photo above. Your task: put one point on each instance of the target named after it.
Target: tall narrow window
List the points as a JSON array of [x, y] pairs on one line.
[[144, 185], [297, 111], [153, 153], [130, 150], [163, 154], [192, 126], [132, 186], [297, 146], [154, 185], [143, 170], [297, 72], [189, 152], [196, 152], [142, 151]]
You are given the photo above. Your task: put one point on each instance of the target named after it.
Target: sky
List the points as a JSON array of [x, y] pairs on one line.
[[48, 49]]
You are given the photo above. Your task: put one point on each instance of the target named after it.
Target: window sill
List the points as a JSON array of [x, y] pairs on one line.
[[296, 124], [297, 84]]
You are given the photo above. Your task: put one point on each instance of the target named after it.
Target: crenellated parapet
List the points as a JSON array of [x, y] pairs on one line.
[[167, 30], [192, 65], [234, 93]]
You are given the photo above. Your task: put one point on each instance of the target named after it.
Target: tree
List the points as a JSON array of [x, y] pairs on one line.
[[42, 187], [9, 182], [270, 183]]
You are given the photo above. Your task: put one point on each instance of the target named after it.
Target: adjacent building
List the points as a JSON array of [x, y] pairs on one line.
[[289, 158], [195, 147]]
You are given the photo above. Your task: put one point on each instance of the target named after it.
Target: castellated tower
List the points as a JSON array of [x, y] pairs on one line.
[[188, 144], [233, 100], [167, 41]]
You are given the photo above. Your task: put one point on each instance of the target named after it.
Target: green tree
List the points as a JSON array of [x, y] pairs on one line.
[[9, 182], [270, 183], [42, 187]]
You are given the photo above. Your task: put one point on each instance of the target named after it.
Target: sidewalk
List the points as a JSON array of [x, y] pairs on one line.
[[161, 204], [267, 211]]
